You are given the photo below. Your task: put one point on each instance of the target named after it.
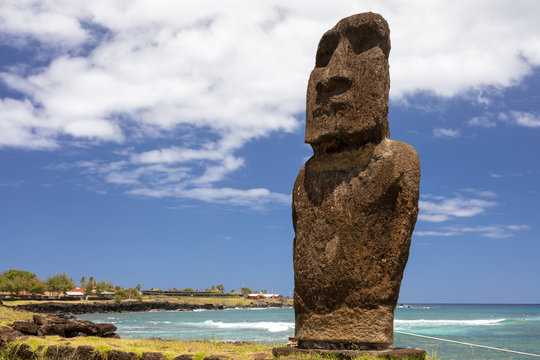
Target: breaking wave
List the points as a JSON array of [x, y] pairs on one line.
[[407, 324], [263, 325]]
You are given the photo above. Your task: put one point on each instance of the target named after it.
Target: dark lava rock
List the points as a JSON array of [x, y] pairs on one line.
[[128, 306], [9, 334], [24, 352], [153, 356], [216, 357], [184, 357], [25, 327], [121, 355], [40, 320], [64, 327]]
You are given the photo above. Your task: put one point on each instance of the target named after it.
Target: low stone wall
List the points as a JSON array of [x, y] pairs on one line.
[[84, 352]]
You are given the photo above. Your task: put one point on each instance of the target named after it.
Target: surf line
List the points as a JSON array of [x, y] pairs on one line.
[[468, 344]]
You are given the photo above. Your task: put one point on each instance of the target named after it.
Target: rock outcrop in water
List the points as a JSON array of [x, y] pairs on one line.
[[355, 202], [64, 327]]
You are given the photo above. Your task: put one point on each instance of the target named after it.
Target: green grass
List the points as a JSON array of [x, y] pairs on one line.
[[170, 348], [8, 315], [232, 301]]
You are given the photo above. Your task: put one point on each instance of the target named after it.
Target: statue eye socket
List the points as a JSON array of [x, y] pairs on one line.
[[327, 45], [363, 38]]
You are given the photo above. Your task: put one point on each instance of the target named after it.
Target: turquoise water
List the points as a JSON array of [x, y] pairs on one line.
[[515, 327]]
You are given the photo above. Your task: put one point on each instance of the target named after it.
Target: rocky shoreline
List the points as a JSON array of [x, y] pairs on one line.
[[131, 306]]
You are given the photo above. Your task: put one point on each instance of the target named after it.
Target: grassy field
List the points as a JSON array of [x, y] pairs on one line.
[[226, 301], [173, 348], [170, 348], [232, 301], [8, 316]]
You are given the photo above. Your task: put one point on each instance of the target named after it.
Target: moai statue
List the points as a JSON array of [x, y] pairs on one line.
[[355, 201]]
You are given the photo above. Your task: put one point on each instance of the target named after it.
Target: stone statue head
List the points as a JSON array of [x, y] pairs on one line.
[[347, 97]]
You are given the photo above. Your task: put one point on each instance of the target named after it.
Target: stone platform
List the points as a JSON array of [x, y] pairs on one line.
[[393, 353]]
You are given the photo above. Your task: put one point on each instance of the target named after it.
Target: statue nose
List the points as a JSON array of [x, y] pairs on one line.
[[336, 77], [333, 85]]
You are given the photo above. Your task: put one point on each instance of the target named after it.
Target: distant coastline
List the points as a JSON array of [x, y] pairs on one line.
[[87, 307]]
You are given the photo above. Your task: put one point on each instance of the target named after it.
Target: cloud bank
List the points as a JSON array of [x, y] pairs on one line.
[[131, 72]]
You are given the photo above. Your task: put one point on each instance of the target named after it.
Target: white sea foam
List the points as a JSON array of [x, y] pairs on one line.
[[405, 324], [197, 310], [160, 322], [270, 326]]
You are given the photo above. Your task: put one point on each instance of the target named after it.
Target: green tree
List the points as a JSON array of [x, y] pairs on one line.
[[82, 281], [90, 284], [36, 286], [129, 294], [138, 287], [16, 281], [188, 289], [220, 288], [59, 283], [246, 290], [103, 286]]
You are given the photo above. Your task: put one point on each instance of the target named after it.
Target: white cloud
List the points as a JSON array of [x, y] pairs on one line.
[[159, 177], [481, 193], [169, 63], [482, 121], [492, 231], [498, 176], [436, 233], [526, 119], [440, 209], [519, 118], [119, 71], [441, 132]]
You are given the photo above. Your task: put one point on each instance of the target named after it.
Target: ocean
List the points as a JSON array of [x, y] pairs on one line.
[[514, 327]]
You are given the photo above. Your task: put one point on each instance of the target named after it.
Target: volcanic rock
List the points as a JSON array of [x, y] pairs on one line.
[[25, 327], [64, 327], [355, 202]]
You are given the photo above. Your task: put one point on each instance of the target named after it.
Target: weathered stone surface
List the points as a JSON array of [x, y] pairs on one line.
[[121, 355], [65, 352], [153, 356], [347, 97], [9, 334], [25, 327], [65, 327], [355, 202], [216, 357], [40, 320], [87, 352], [24, 352], [51, 353], [184, 357], [398, 353], [105, 330]]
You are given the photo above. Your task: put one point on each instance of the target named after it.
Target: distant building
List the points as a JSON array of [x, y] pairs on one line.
[[76, 293], [263, 296]]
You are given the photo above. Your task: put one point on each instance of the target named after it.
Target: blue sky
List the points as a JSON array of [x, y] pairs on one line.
[[157, 142]]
